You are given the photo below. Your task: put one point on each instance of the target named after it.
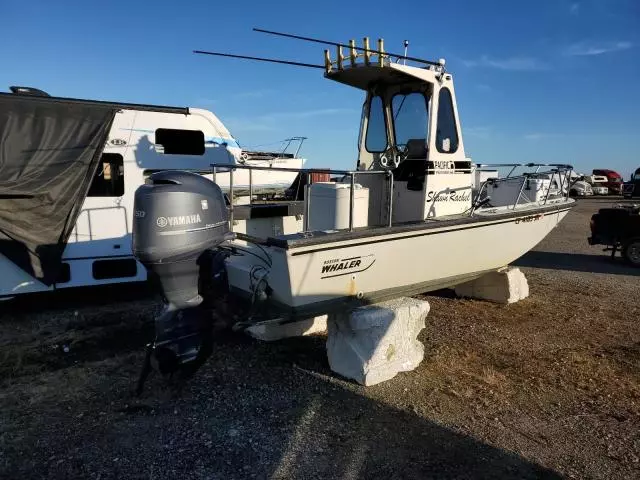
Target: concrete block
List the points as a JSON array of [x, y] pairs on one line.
[[270, 332], [507, 285], [373, 344]]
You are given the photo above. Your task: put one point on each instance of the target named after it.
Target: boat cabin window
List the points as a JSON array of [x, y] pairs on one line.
[[376, 139], [180, 142], [109, 178], [446, 132], [410, 119]]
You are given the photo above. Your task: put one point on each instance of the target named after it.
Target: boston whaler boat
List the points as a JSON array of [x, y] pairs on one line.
[[407, 220]]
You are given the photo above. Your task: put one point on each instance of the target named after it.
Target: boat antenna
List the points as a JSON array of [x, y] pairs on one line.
[[260, 59], [406, 47], [336, 44]]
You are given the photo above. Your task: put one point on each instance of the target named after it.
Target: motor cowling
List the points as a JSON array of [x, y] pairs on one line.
[[178, 217]]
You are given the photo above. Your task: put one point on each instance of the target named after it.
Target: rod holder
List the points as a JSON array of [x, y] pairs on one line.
[[367, 52], [381, 52], [352, 52], [327, 61]]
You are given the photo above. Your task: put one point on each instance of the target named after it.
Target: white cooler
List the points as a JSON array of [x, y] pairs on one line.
[[329, 205]]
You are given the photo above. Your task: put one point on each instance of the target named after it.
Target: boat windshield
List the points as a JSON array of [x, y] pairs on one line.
[[409, 121], [409, 117], [376, 139]]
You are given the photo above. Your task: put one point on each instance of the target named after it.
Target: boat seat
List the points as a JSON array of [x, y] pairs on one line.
[[414, 167], [417, 149]]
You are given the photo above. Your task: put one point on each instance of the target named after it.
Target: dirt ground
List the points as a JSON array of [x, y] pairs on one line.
[[545, 388]]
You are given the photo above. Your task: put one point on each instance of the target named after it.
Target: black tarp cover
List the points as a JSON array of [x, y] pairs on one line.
[[49, 153]]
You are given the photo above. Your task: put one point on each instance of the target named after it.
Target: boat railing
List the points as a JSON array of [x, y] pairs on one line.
[[537, 166], [351, 174], [268, 156], [563, 172]]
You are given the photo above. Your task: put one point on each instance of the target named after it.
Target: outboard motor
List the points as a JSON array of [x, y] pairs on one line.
[[180, 218]]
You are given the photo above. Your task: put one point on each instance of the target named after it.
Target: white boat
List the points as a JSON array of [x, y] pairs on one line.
[[408, 218], [261, 181], [404, 220], [419, 228]]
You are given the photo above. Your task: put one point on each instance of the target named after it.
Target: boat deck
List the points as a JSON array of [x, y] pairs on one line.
[[426, 227]]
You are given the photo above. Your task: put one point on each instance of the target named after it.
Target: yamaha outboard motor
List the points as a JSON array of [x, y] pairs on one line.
[[180, 219]]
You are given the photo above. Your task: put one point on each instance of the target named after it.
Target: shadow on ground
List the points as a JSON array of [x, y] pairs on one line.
[[576, 262], [248, 413], [79, 297]]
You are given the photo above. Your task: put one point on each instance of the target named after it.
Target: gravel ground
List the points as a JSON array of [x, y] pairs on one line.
[[545, 388]]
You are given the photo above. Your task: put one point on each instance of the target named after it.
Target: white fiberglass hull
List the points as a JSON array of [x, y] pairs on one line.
[[260, 179], [311, 279]]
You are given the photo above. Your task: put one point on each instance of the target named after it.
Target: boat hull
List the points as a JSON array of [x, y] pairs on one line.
[[319, 277], [260, 179]]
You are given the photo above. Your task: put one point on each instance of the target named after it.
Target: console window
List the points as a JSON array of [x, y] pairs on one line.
[[446, 132], [410, 117], [376, 139]]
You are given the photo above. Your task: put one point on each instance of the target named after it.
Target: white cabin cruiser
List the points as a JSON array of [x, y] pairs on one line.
[[88, 199], [404, 220]]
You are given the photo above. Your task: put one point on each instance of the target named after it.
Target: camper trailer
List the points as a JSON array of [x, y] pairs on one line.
[[137, 141]]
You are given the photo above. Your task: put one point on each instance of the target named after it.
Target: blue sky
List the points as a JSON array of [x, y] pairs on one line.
[[552, 80]]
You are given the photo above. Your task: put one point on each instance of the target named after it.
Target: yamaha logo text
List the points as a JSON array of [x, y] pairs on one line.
[[177, 221]]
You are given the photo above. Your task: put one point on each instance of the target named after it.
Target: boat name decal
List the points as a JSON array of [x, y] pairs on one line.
[[447, 166], [336, 267], [530, 218], [181, 220], [448, 196]]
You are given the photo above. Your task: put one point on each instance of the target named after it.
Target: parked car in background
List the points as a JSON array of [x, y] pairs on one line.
[[598, 184], [631, 188], [600, 189], [614, 180], [579, 187]]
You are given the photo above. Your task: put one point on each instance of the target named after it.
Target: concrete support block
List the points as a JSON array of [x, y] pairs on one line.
[[507, 285], [374, 343], [270, 332]]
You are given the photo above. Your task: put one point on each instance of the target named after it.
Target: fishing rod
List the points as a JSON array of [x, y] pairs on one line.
[[260, 59], [336, 44]]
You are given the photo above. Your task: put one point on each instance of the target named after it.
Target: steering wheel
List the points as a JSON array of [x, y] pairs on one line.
[[394, 155]]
